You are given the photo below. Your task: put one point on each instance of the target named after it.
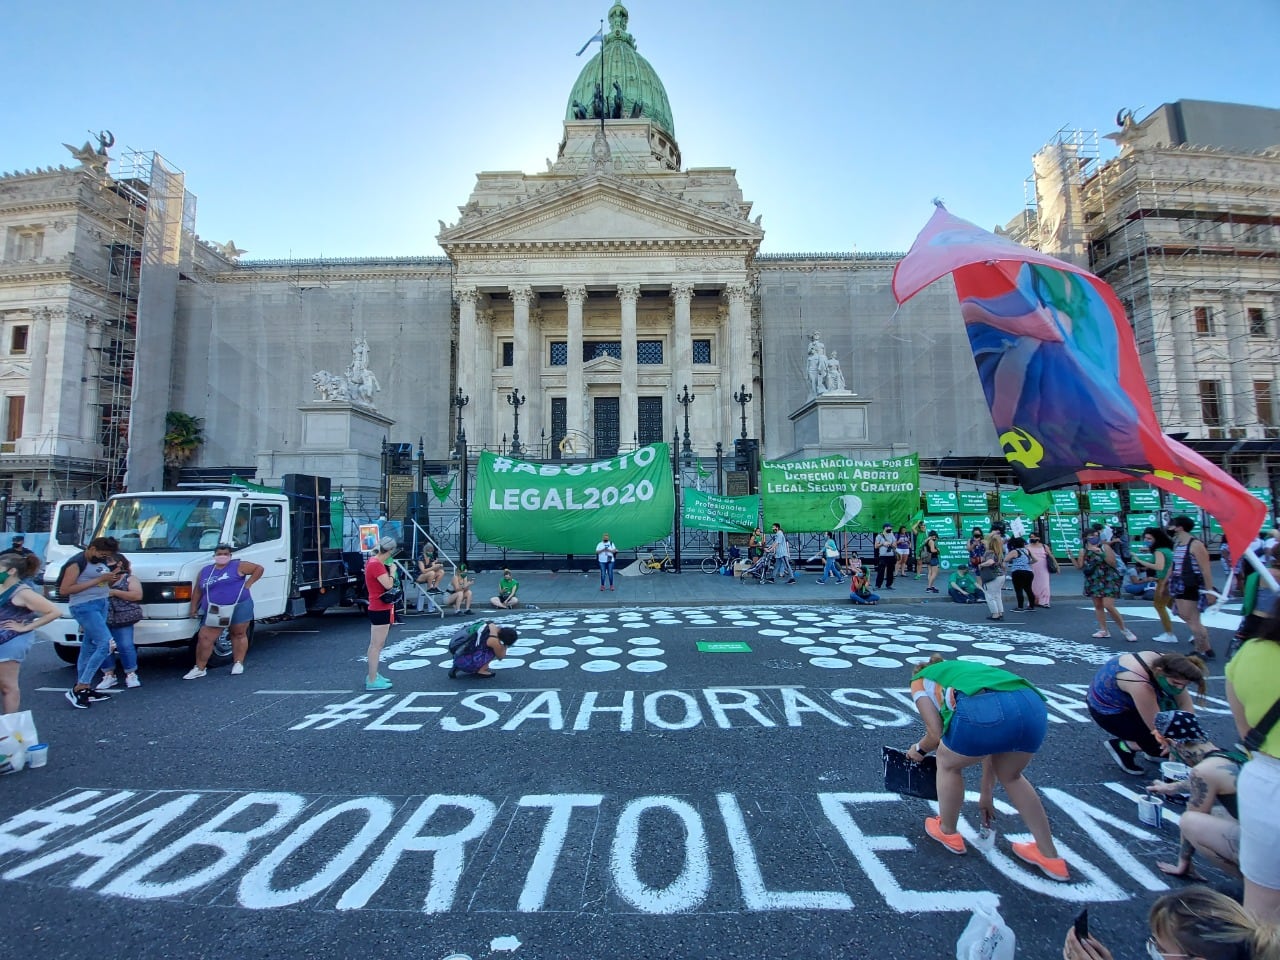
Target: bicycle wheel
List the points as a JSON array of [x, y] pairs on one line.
[[648, 565], [711, 564]]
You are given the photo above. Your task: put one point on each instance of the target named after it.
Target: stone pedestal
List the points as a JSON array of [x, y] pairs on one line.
[[341, 441], [834, 423]]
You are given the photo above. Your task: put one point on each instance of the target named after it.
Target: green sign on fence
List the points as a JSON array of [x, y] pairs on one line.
[[945, 525], [970, 520], [566, 508], [973, 501], [1065, 501], [953, 552], [1104, 501], [1064, 535], [707, 511], [836, 493], [1144, 500], [941, 501], [1135, 523]]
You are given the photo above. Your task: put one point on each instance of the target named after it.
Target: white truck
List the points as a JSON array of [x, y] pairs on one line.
[[170, 536]]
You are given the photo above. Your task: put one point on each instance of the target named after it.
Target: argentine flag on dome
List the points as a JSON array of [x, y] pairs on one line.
[[599, 36]]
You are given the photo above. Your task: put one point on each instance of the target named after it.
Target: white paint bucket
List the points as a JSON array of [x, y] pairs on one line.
[[1151, 811], [1171, 771], [37, 755]]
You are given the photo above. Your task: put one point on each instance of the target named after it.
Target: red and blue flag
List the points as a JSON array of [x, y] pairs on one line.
[[1060, 370]]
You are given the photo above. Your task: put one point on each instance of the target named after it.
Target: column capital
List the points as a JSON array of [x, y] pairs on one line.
[[469, 295], [737, 292], [575, 294], [522, 294], [682, 291], [629, 291]]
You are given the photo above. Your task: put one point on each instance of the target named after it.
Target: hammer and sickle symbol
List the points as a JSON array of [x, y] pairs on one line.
[[1022, 448]]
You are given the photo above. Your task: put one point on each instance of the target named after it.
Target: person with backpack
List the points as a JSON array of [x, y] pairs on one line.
[[85, 582], [1191, 582], [477, 645]]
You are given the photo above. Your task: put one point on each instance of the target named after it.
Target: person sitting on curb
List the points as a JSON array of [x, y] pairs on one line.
[[963, 588], [860, 584], [460, 591], [492, 646], [430, 569], [1213, 774], [507, 587]]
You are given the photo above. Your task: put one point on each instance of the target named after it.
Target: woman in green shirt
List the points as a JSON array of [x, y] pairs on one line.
[[1161, 546], [974, 713], [507, 587]]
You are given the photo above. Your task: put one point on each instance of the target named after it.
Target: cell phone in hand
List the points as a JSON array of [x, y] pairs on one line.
[[1082, 925]]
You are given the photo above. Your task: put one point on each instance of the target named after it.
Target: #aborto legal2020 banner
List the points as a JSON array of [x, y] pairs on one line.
[[836, 493], [707, 511], [567, 507]]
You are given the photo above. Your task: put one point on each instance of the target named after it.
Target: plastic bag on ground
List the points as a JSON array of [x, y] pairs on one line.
[[987, 937]]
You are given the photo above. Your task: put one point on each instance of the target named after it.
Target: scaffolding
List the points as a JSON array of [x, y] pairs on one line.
[[152, 220]]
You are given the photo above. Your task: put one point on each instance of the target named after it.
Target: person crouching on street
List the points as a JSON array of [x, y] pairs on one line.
[[493, 645], [974, 713], [378, 579]]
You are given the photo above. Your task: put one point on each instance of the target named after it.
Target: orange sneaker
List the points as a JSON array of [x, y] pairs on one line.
[[952, 841], [1055, 868]]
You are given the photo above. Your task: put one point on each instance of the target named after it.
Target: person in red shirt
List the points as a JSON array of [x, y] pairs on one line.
[[378, 579]]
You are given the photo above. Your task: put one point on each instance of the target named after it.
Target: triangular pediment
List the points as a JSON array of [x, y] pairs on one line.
[[603, 365], [602, 209]]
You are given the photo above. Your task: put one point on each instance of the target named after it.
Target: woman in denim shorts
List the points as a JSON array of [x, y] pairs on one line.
[[974, 713]]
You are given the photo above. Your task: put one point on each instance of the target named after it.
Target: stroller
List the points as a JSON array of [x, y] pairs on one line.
[[762, 570]]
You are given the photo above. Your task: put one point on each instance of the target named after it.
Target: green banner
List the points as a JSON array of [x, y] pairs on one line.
[[1104, 501], [558, 508], [707, 511], [973, 501], [1065, 501], [1135, 523], [836, 493], [941, 501], [1064, 535], [953, 552], [441, 490], [1144, 500]]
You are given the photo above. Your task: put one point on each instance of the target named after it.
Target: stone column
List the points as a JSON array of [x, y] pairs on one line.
[[521, 362], [33, 418], [739, 359], [466, 373], [1243, 409], [681, 337], [536, 412], [1184, 366], [486, 396], [628, 405], [575, 391]]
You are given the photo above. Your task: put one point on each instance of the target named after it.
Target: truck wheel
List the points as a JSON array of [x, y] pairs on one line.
[[67, 653]]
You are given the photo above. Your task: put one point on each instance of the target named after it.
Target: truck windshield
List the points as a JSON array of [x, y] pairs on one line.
[[150, 524]]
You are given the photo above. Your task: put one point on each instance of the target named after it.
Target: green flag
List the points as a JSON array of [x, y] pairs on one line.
[[558, 508], [836, 493], [1020, 503], [706, 511], [702, 472], [442, 490]]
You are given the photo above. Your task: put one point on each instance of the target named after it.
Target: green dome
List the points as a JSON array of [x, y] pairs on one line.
[[642, 93]]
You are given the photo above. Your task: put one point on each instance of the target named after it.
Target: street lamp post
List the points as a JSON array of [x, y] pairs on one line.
[[684, 399], [742, 398], [720, 483], [459, 401], [676, 482], [516, 402], [460, 448]]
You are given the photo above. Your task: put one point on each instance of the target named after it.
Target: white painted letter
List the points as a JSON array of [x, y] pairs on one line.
[[689, 888], [747, 703], [543, 867], [692, 713], [588, 707]]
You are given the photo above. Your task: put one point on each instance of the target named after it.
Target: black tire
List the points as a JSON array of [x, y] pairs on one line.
[[646, 566], [67, 652], [710, 564]]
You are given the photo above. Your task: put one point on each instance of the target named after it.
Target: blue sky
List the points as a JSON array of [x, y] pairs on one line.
[[339, 129]]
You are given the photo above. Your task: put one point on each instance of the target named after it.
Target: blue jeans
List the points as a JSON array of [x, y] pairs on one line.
[[831, 570], [779, 566], [95, 640], [123, 636], [978, 596], [606, 573], [1007, 721], [869, 598]]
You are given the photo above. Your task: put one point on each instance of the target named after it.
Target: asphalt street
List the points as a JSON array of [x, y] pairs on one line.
[[695, 779]]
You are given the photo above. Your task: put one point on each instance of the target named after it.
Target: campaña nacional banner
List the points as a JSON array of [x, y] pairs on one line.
[[707, 511], [567, 507], [836, 493]]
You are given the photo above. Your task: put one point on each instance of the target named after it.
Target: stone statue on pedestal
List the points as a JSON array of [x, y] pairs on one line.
[[816, 366], [357, 386]]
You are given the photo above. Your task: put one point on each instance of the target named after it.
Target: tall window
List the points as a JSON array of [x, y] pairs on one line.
[[1204, 322], [508, 353], [1211, 403], [24, 243], [559, 354], [1264, 404], [15, 407], [649, 420], [18, 338], [1257, 322], [559, 424], [702, 351]]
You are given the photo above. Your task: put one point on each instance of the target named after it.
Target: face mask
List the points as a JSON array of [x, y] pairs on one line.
[[4, 577], [1094, 541], [1149, 544], [1168, 687], [221, 560]]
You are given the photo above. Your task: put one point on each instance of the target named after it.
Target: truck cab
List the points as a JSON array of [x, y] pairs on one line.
[[169, 538]]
